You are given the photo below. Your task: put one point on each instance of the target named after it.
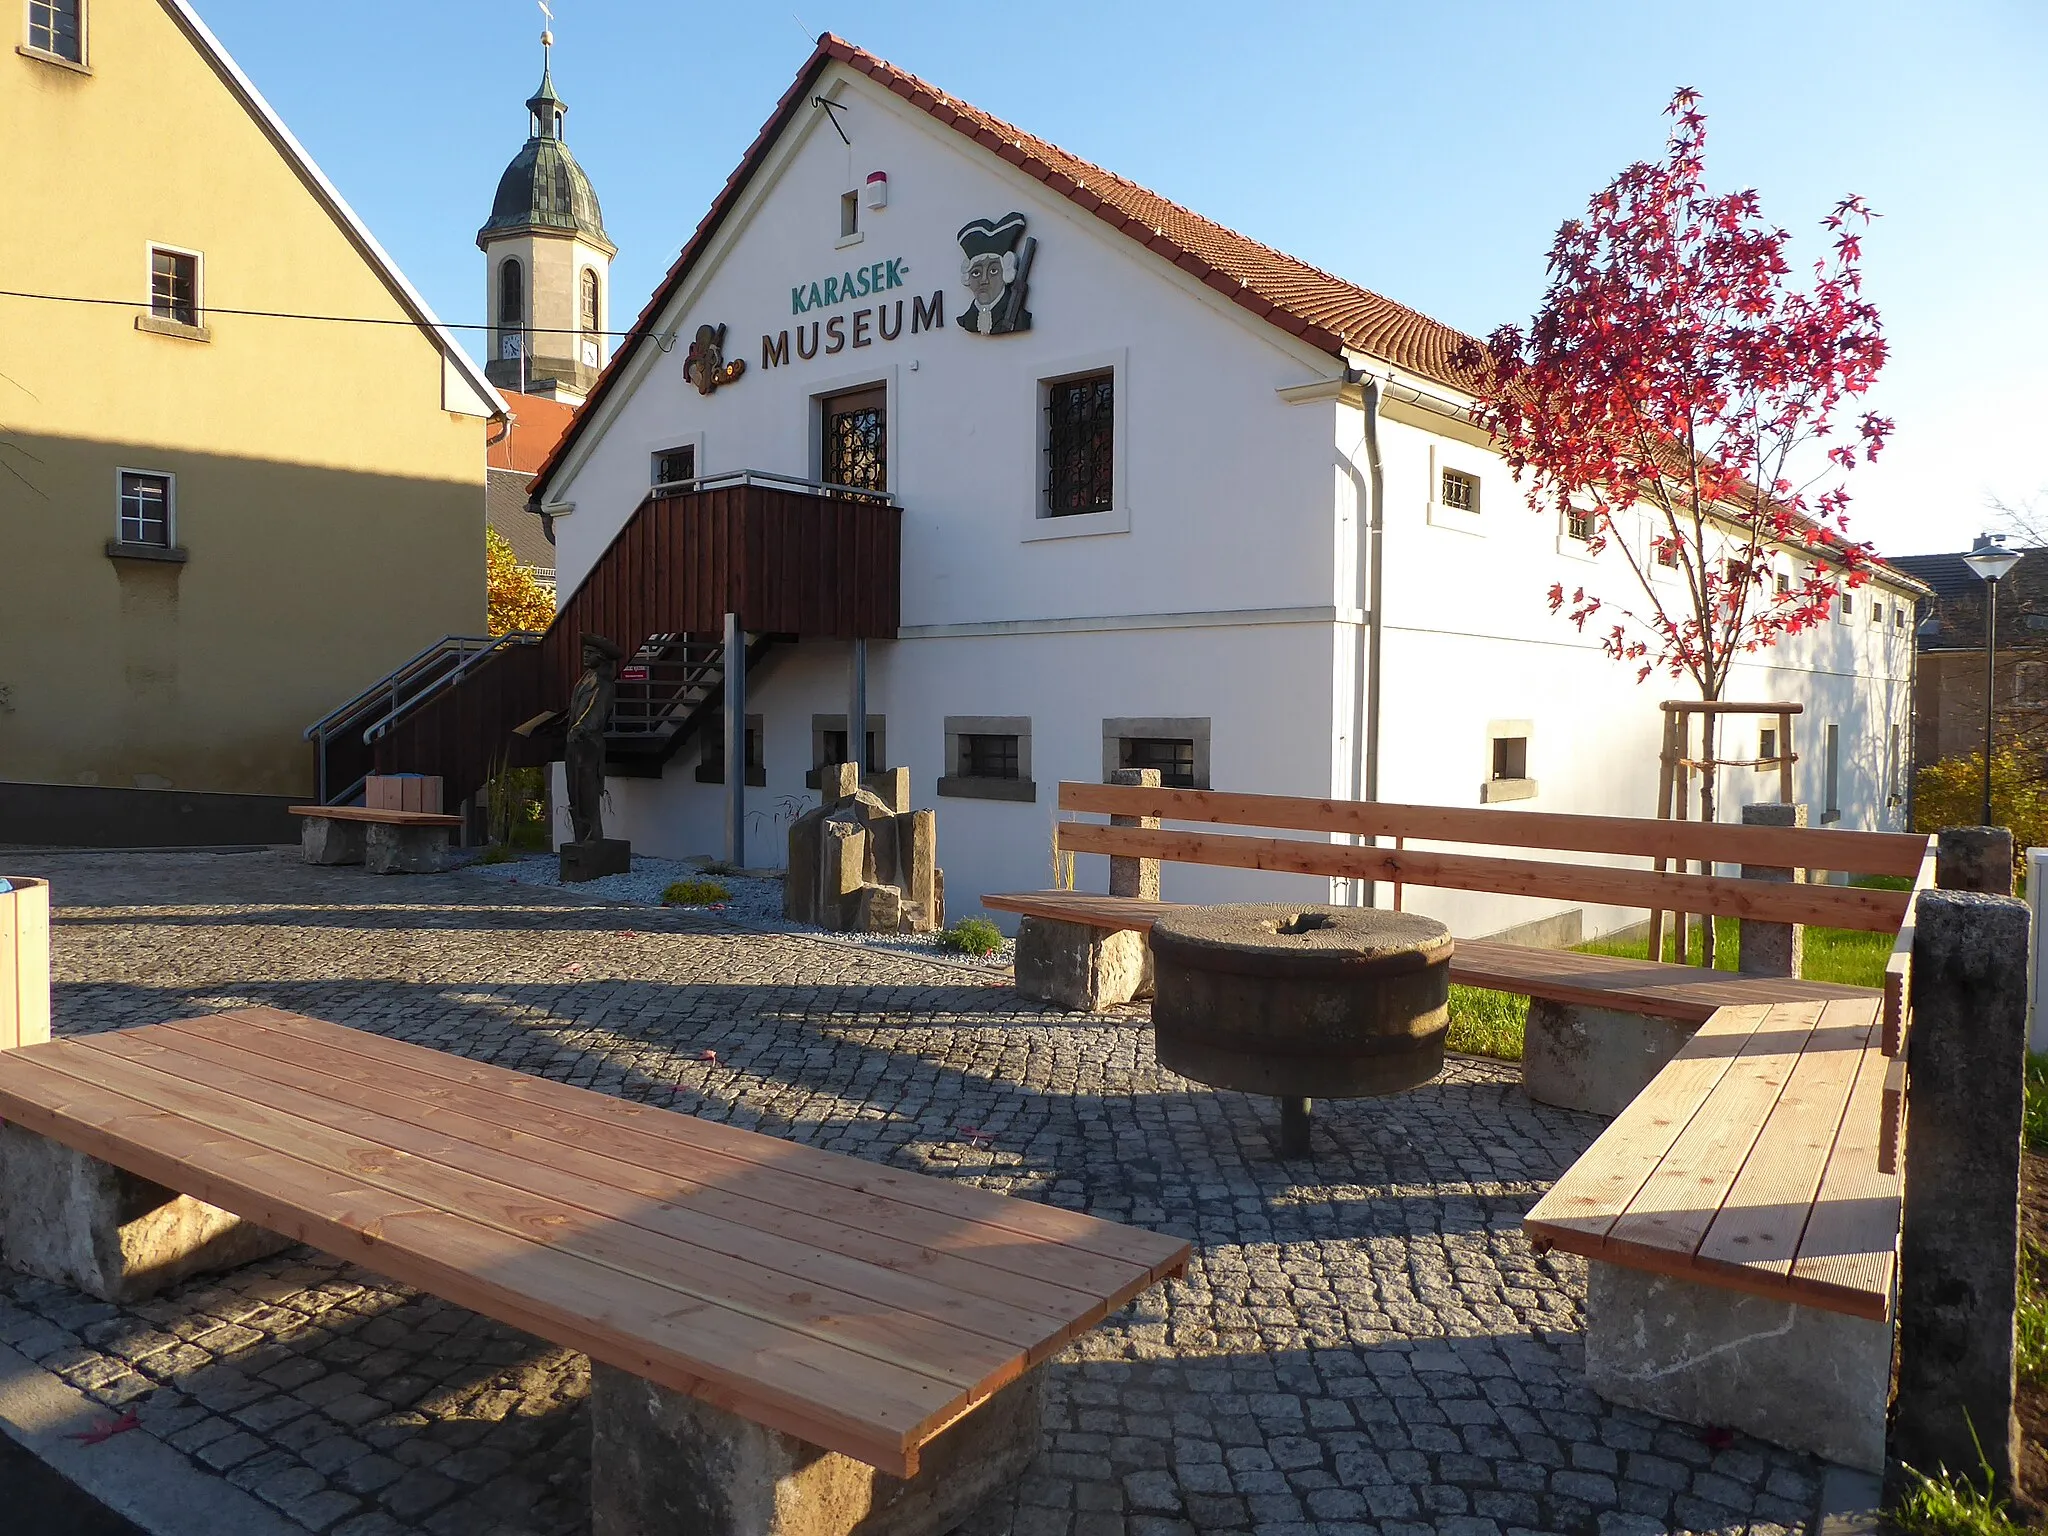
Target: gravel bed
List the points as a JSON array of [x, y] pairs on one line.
[[755, 902]]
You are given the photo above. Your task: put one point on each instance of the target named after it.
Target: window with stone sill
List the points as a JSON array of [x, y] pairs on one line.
[[145, 512], [1174, 757], [57, 27], [711, 758], [174, 286], [988, 757]]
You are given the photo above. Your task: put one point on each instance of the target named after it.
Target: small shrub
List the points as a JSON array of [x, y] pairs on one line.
[[497, 853], [972, 936], [694, 893], [719, 867], [1950, 794]]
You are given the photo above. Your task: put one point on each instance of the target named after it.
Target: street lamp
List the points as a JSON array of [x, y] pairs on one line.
[[1992, 561]]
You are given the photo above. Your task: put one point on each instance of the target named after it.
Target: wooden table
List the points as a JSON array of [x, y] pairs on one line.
[[856, 1306]]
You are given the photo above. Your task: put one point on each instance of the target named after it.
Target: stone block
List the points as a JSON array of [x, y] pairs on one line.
[[800, 879], [1772, 949], [1796, 1376], [1960, 1234], [842, 861], [1594, 1059], [84, 1223], [326, 840], [595, 859], [661, 1461], [917, 859], [837, 782], [1974, 859], [392, 850], [880, 910], [891, 786], [1075, 966]]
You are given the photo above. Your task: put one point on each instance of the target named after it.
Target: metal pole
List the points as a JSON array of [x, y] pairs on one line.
[[857, 711], [735, 743], [1990, 685]]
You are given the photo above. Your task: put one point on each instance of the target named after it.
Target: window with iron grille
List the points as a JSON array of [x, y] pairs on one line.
[[835, 751], [1460, 491], [145, 509], [1080, 445], [174, 286], [1578, 525], [673, 465], [987, 756], [856, 447], [56, 26], [1174, 757]]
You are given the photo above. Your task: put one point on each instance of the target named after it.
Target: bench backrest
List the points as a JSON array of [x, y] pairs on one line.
[[1857, 853]]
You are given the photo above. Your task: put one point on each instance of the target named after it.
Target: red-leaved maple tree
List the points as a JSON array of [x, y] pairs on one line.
[[1686, 403]]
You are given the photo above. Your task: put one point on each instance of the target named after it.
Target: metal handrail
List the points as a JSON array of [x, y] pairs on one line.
[[769, 477], [384, 684], [446, 680]]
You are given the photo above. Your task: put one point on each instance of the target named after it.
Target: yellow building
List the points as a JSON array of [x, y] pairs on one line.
[[210, 541]]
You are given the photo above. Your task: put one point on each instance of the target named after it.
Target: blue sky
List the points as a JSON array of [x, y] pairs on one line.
[[1426, 151]]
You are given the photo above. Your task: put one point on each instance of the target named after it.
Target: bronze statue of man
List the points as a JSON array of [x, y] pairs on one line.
[[590, 711]]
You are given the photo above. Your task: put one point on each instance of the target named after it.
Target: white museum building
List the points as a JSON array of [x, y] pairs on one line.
[[1168, 498]]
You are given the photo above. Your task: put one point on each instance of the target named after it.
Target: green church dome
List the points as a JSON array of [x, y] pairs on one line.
[[544, 188]]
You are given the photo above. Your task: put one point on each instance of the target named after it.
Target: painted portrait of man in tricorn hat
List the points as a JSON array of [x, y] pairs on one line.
[[997, 272]]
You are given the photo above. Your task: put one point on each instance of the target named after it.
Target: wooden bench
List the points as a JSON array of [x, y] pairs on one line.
[[1599, 1027], [1742, 1238], [744, 1299], [388, 842]]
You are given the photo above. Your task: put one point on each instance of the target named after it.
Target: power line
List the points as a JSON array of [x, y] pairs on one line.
[[280, 314]]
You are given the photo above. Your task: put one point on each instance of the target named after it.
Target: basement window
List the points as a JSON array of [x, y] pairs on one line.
[[711, 760], [1178, 748], [1508, 762], [988, 757]]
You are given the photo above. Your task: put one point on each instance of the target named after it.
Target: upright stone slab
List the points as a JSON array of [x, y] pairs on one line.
[[1772, 949], [1793, 1375], [329, 840], [1974, 859], [661, 1463], [402, 850], [73, 1219], [1072, 965], [1134, 877], [1594, 1059], [891, 786], [918, 859], [1959, 1246]]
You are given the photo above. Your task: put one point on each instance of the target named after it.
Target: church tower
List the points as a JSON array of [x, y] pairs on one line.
[[547, 261]]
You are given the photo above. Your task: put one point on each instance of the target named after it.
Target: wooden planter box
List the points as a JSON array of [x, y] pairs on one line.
[[24, 962]]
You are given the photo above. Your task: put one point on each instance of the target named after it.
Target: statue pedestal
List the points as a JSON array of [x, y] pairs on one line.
[[596, 859]]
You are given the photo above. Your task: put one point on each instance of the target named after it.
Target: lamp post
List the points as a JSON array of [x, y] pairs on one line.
[[1992, 561]]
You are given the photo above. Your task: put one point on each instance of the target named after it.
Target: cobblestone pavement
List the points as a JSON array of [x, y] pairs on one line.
[[1367, 1344]]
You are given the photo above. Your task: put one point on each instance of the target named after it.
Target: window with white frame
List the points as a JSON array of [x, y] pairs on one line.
[[145, 509], [57, 28], [673, 466], [174, 285]]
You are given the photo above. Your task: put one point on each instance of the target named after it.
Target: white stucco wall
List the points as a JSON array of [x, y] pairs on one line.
[[1232, 582]]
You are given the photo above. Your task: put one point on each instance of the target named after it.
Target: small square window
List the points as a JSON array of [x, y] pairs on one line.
[[673, 466], [1511, 757], [1784, 584], [1578, 525], [174, 286], [1080, 445], [711, 758], [1767, 744], [1174, 757], [145, 509], [988, 756], [834, 743], [1460, 491], [1877, 613], [1899, 616], [1848, 605], [57, 27]]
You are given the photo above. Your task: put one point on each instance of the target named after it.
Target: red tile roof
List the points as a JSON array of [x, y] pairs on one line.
[[525, 441], [1324, 311]]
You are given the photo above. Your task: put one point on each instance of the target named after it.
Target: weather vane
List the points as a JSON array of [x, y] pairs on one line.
[[547, 31]]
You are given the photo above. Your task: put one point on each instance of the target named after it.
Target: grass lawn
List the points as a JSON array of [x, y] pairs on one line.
[[1490, 1023]]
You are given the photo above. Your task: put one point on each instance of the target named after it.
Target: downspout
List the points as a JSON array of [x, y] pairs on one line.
[[1369, 404]]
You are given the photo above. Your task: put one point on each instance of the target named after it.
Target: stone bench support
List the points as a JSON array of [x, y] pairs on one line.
[[1794, 1375], [399, 850], [84, 1223], [662, 1461], [327, 840], [1072, 965], [1594, 1059]]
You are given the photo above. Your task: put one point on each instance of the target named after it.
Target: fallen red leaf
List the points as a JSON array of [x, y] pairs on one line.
[[103, 1432]]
